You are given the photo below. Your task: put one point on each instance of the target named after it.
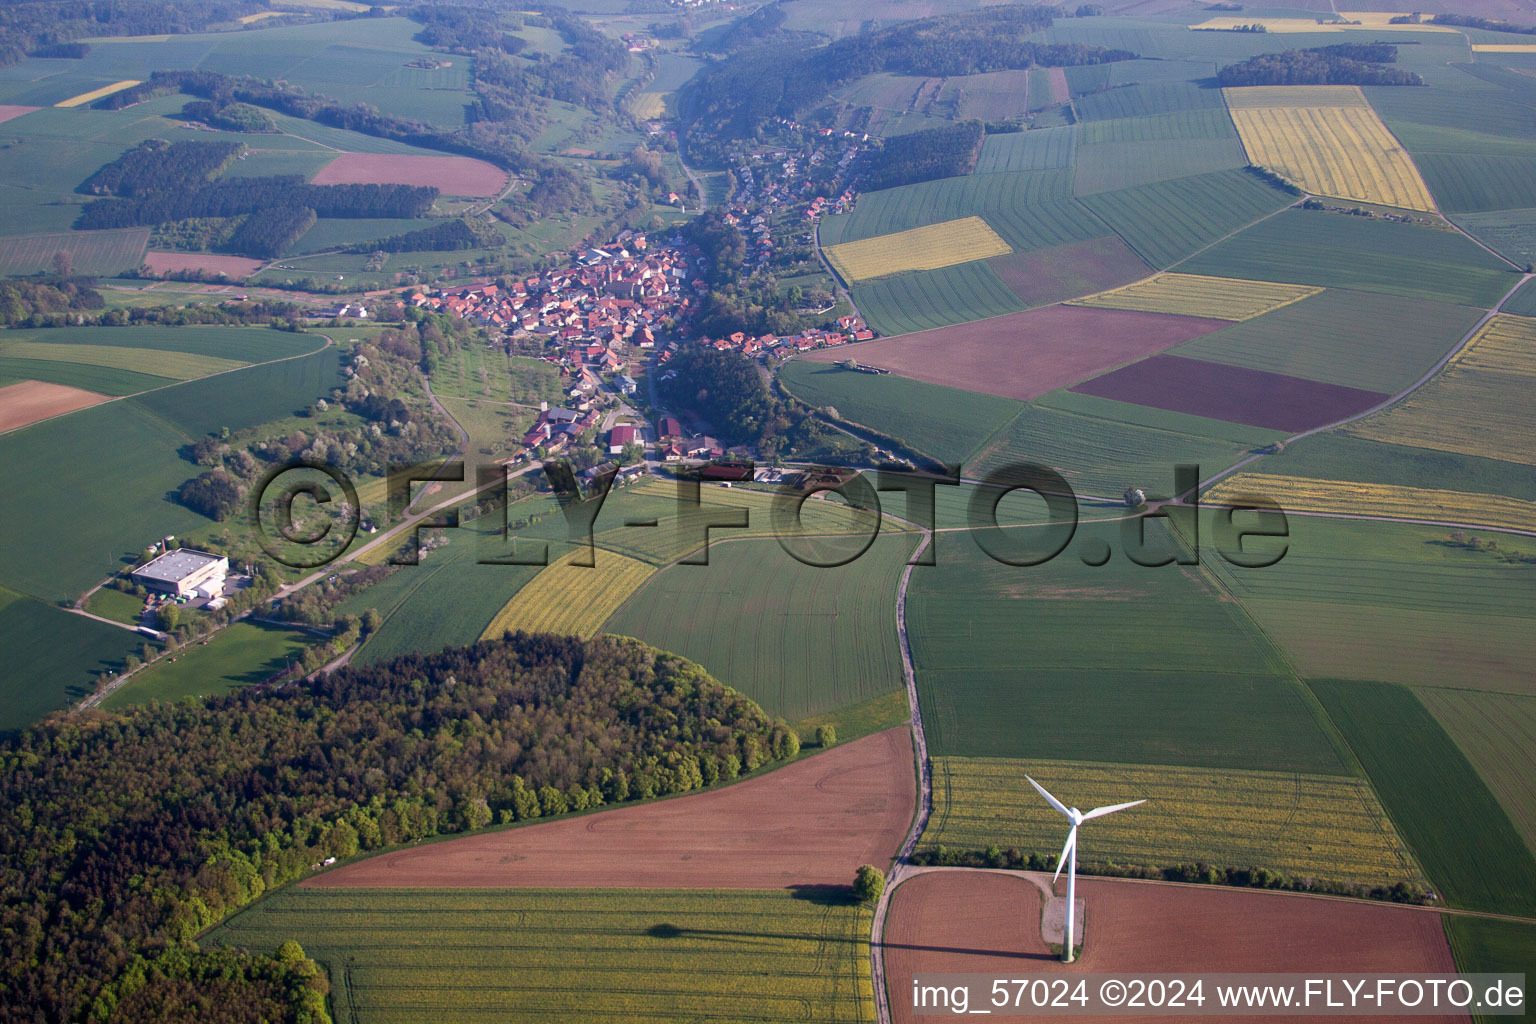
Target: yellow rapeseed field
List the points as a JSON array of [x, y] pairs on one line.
[[1480, 405], [1323, 826], [1247, 96], [1351, 497], [566, 598], [925, 248], [96, 94], [1221, 298], [1343, 151], [1506, 344], [1504, 47]]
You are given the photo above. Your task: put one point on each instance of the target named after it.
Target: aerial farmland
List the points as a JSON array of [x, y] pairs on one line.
[[784, 511]]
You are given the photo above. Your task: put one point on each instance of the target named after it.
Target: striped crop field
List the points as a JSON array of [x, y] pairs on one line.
[[157, 362], [1328, 146], [1220, 298], [526, 955], [1506, 344], [96, 94], [1351, 497], [1480, 404], [1251, 97], [569, 598], [925, 248], [1324, 826]]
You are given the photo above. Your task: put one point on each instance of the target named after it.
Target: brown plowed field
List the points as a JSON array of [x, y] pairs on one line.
[[453, 175], [235, 267], [812, 823], [33, 400], [1069, 271], [1024, 355], [10, 110], [984, 922], [1232, 393]]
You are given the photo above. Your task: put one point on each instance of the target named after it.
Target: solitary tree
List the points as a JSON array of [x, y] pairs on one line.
[[868, 883], [826, 735]]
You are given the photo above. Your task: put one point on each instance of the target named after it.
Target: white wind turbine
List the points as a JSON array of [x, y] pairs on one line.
[[1069, 853]]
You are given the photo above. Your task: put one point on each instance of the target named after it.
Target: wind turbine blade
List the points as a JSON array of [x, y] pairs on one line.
[[1066, 851], [1048, 798], [1099, 812]]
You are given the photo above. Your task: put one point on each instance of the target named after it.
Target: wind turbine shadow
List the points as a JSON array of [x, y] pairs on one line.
[[666, 930], [1011, 954]]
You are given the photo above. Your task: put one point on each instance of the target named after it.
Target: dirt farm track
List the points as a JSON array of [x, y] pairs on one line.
[[811, 823], [978, 921]]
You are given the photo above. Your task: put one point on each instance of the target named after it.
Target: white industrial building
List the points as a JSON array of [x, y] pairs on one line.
[[185, 573]]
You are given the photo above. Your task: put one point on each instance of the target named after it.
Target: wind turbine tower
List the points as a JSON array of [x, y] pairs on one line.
[[1069, 854]]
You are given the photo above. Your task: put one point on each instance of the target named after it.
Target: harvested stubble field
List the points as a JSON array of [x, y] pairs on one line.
[[1340, 151], [1234, 393], [526, 955], [454, 175], [811, 823], [1024, 355], [1480, 405], [778, 630], [1143, 927], [570, 598], [1222, 298], [924, 248], [1318, 826], [1066, 271], [1352, 497], [31, 400]]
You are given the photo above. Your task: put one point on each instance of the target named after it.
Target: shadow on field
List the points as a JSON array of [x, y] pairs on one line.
[[671, 931]]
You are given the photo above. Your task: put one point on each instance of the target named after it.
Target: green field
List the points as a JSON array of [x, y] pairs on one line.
[[52, 657], [1029, 209], [1318, 826], [1481, 944], [1523, 302], [1475, 183], [1040, 149], [242, 654], [1372, 601], [798, 639], [90, 252], [947, 423], [924, 299], [339, 232], [1106, 167], [1119, 663], [100, 379], [1304, 247], [1101, 446], [494, 428], [1335, 456], [117, 606], [1167, 221], [1513, 234], [1456, 828], [125, 456], [490, 373], [509, 956], [1147, 99], [1496, 732], [1360, 339]]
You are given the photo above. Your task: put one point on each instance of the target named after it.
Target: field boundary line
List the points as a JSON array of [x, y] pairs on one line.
[[901, 868]]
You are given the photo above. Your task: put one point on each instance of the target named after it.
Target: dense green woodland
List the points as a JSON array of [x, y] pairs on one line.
[[1344, 64], [733, 98], [28, 28], [122, 836], [945, 152]]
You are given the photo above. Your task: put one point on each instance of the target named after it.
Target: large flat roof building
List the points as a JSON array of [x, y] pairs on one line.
[[181, 571]]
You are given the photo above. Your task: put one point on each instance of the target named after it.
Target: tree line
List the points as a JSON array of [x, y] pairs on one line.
[[446, 236], [124, 835], [35, 28], [1344, 64]]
